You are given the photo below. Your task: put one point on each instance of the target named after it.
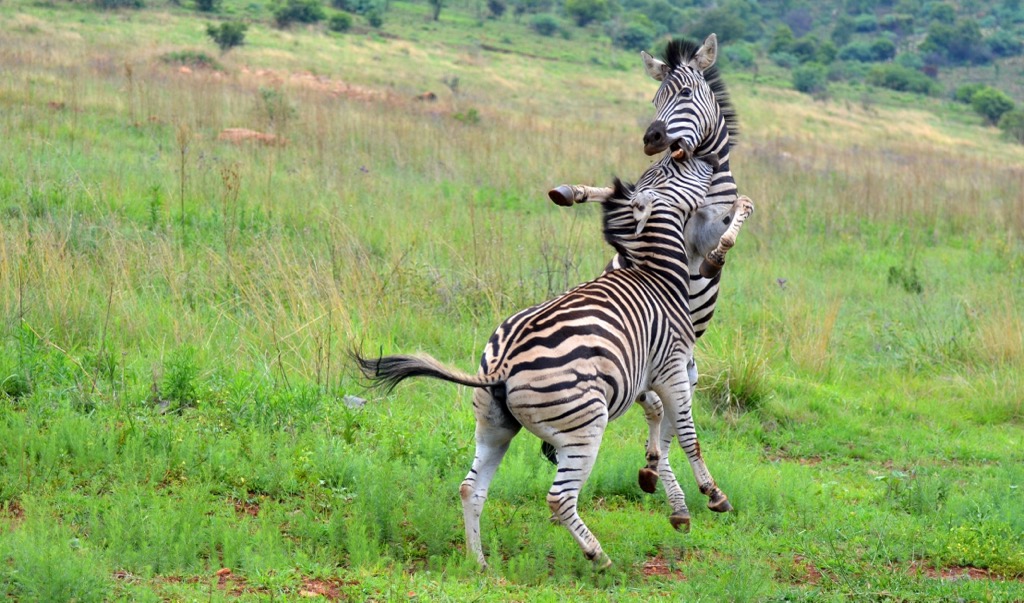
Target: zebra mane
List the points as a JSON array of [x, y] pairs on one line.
[[618, 222], [681, 51]]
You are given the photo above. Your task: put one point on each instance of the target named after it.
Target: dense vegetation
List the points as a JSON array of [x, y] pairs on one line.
[[177, 417]]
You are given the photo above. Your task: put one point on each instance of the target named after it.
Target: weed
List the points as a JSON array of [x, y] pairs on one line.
[[181, 373], [908, 279]]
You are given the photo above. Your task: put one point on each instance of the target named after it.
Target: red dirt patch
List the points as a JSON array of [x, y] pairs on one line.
[[803, 571], [658, 567], [957, 572], [246, 507], [329, 588], [13, 510]]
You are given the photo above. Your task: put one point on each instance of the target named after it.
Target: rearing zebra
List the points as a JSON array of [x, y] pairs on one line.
[[566, 367], [694, 119]]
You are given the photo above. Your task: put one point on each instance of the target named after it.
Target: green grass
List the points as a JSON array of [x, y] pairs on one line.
[[176, 312]]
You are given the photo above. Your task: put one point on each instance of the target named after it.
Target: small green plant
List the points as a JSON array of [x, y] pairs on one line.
[[196, 59], [299, 11], [991, 104], [180, 375], [470, 116], [811, 78], [117, 4], [1012, 124], [375, 17], [228, 34], [340, 22], [907, 278], [208, 6], [545, 24]]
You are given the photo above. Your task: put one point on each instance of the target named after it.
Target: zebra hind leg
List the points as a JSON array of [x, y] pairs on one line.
[[494, 432], [680, 517], [648, 476], [576, 456]]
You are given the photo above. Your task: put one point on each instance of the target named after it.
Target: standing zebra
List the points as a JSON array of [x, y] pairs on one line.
[[566, 367], [694, 118]]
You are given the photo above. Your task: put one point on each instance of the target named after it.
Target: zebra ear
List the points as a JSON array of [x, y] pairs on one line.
[[642, 204], [707, 54], [653, 66]]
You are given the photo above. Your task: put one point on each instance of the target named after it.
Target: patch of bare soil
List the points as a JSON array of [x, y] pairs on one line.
[[658, 567], [241, 135], [12, 510]]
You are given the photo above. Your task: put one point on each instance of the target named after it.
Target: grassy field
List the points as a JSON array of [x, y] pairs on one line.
[[176, 311]]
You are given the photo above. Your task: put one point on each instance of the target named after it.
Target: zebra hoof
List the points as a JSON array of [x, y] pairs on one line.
[[719, 503], [709, 270], [561, 195], [680, 522], [602, 561], [648, 479]]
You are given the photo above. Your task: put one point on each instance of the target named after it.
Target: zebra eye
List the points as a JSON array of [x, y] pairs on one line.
[[686, 92]]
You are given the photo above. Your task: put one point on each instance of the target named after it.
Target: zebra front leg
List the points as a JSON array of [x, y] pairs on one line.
[[568, 194], [493, 436], [648, 477], [715, 260], [576, 452], [680, 517]]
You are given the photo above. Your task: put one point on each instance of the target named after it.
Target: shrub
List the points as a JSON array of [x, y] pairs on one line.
[[865, 23], [196, 59], [208, 6], [585, 12], [1004, 44], [1012, 123], [903, 79], [810, 78], [375, 18], [116, 4], [497, 8], [786, 60], [340, 22], [634, 36], [991, 103], [965, 92], [228, 34], [301, 11], [545, 24], [739, 55]]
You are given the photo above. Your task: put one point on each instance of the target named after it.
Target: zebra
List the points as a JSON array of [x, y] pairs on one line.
[[566, 367], [694, 118]]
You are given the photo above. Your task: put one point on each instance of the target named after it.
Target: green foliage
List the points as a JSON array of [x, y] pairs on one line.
[[228, 34], [877, 50], [497, 8], [942, 12], [634, 35], [181, 372], [842, 31], [810, 78], [991, 104], [196, 59], [585, 12], [1012, 123], [726, 22], [117, 4], [897, 23], [907, 278], [375, 17], [903, 79], [741, 55], [340, 22], [782, 40], [965, 92], [1003, 43], [469, 117], [545, 24], [208, 6], [865, 24], [959, 43], [298, 11]]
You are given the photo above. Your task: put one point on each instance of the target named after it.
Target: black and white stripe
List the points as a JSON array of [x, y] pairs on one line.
[[566, 367]]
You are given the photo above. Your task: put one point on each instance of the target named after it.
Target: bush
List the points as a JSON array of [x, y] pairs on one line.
[[1004, 44], [195, 59], [865, 23], [868, 52], [965, 92], [810, 78], [1012, 123], [497, 8], [340, 22], [903, 79], [991, 103], [584, 12], [634, 36], [375, 18], [301, 11], [116, 4], [739, 55], [228, 34], [545, 24], [208, 6]]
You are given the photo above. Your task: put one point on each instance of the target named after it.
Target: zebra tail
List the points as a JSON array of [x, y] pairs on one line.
[[389, 371]]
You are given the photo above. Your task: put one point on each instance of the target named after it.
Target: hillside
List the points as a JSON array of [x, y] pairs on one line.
[[179, 418]]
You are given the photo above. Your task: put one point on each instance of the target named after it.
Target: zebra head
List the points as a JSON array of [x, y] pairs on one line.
[[688, 112]]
